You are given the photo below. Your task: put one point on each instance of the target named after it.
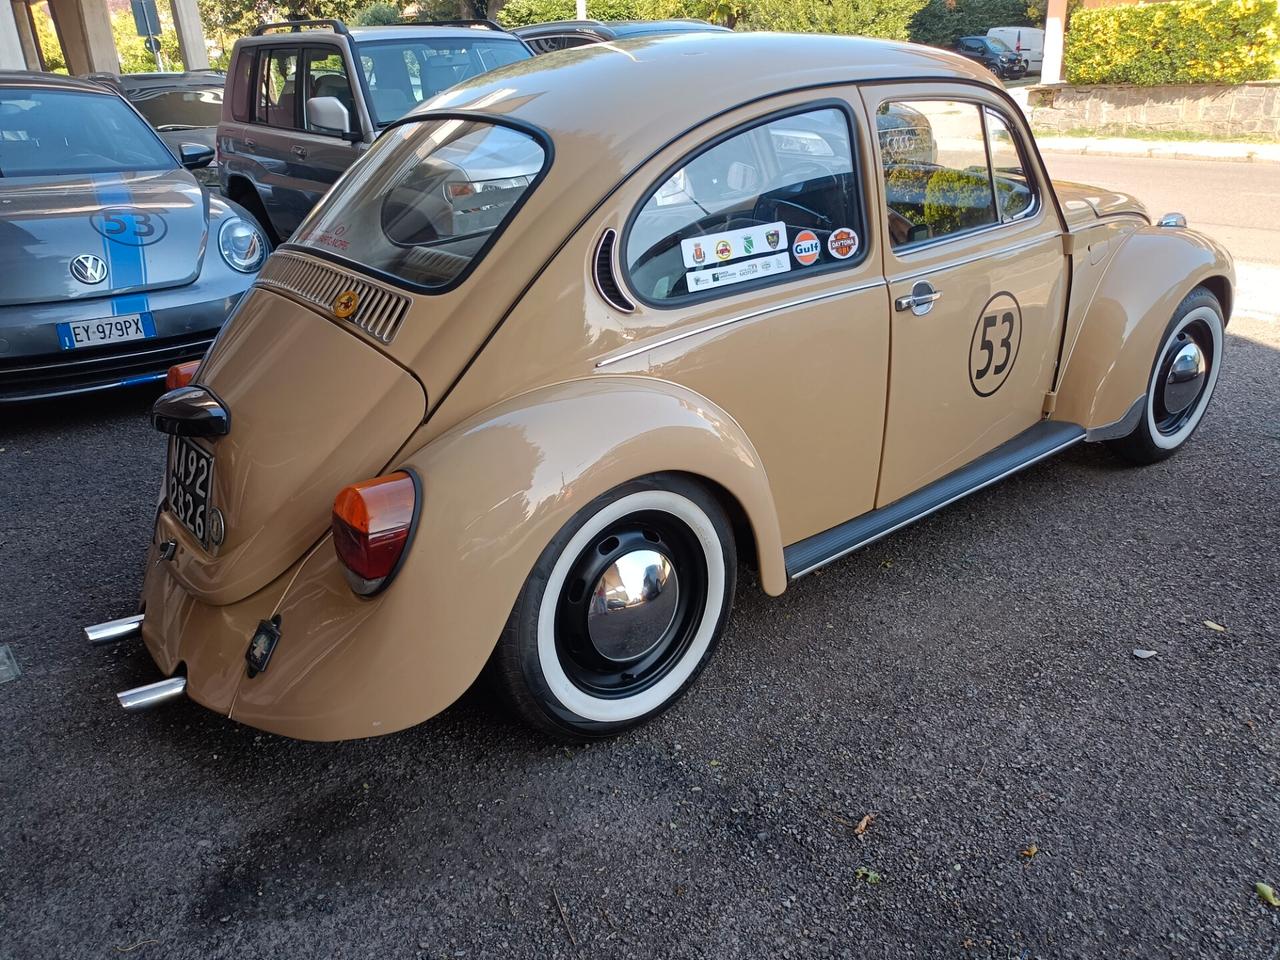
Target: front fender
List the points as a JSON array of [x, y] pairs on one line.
[[495, 490], [1106, 369]]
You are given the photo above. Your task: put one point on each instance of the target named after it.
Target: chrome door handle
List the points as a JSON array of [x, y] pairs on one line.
[[921, 299], [250, 143], [299, 152]]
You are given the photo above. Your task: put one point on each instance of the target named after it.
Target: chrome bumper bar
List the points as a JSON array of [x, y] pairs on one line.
[[113, 631], [153, 694]]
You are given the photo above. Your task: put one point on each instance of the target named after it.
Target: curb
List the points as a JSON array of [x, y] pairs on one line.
[[1247, 153]]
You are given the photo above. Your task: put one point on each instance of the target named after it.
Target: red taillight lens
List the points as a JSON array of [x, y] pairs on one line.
[[180, 374], [372, 521]]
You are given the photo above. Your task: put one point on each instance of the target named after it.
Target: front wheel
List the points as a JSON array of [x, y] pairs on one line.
[[622, 610], [1183, 377]]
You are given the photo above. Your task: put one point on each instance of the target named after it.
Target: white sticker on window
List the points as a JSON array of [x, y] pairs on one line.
[[732, 244], [737, 272]]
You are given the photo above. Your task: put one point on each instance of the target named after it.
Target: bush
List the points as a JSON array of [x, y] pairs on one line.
[[956, 200], [377, 14], [519, 13], [1184, 41], [942, 22]]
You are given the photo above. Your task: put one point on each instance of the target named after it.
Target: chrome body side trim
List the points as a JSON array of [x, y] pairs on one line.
[[974, 258], [716, 325]]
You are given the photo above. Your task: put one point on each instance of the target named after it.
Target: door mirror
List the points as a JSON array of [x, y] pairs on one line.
[[195, 155], [328, 115]]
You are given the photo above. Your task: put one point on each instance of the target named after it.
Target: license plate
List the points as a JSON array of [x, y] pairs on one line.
[[90, 333], [188, 484]]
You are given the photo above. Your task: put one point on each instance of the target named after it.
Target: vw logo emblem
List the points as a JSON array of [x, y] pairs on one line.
[[89, 269]]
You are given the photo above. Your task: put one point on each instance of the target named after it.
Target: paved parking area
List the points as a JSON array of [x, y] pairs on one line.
[[1037, 791]]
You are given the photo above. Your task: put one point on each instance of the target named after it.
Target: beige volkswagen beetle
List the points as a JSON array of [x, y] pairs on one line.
[[578, 335]]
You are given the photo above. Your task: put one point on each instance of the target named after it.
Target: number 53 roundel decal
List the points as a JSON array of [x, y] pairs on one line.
[[994, 348]]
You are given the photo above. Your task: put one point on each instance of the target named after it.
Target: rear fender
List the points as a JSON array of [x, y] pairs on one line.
[[495, 491], [1106, 369]]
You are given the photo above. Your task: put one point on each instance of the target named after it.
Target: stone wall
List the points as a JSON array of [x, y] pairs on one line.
[[1116, 109]]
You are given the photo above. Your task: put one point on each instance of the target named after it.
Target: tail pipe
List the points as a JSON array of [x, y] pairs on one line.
[[113, 631], [153, 694]]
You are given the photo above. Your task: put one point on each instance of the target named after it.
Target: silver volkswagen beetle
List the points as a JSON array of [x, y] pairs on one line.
[[114, 262]]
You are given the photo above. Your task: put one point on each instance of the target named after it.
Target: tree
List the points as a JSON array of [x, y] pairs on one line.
[[871, 18], [943, 22]]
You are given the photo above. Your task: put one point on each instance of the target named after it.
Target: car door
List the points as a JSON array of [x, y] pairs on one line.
[[977, 283], [321, 153], [269, 140]]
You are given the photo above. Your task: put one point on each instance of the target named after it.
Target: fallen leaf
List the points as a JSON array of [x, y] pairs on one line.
[[713, 763], [1216, 627], [1030, 851], [863, 824], [886, 564], [1143, 654], [867, 874], [1266, 894]]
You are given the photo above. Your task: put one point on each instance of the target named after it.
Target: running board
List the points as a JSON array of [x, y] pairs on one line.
[[1043, 440]]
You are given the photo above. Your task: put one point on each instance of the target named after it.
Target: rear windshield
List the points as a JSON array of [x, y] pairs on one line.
[[403, 73], [179, 109], [426, 200], [51, 132]]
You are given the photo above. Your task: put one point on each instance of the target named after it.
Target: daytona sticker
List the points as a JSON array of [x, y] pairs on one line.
[[843, 243], [719, 276], [806, 248], [731, 244]]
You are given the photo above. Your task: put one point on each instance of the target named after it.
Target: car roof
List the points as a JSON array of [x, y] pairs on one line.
[[370, 34], [52, 81]]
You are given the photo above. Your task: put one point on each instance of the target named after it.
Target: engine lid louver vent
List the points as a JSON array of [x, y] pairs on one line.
[[379, 310], [606, 282]]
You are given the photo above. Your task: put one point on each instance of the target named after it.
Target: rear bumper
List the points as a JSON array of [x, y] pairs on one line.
[[33, 365]]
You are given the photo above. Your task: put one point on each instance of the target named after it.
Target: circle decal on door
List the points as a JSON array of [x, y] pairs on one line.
[[994, 348]]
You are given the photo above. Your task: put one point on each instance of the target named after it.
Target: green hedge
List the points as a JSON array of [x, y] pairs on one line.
[[1184, 41], [942, 22], [519, 13]]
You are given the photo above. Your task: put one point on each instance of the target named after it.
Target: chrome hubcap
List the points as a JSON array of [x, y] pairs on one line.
[[632, 606], [1186, 376]]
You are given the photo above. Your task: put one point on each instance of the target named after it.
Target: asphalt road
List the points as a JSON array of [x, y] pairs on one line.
[[970, 681]]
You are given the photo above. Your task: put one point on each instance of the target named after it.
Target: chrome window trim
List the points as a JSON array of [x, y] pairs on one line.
[[974, 257], [751, 315]]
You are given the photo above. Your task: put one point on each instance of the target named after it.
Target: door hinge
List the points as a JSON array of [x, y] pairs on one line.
[[1050, 403]]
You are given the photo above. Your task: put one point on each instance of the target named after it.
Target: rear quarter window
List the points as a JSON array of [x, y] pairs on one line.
[[240, 84], [775, 201]]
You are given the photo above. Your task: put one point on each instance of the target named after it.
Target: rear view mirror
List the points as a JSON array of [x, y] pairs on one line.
[[328, 115], [195, 155]]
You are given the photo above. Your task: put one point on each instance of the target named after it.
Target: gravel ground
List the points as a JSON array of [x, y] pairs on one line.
[[970, 681]]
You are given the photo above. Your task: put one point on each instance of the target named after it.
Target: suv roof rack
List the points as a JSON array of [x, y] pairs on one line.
[[294, 26]]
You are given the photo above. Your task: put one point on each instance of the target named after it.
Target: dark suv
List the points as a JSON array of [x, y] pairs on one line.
[[562, 34], [305, 98], [995, 55]]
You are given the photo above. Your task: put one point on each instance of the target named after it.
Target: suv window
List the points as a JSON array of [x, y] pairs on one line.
[[241, 82], [326, 76], [948, 194], [403, 73], [427, 199], [277, 89], [778, 198]]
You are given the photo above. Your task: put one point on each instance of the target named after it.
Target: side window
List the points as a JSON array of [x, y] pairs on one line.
[[241, 81], [779, 198], [326, 76], [1015, 190], [936, 180], [277, 88]]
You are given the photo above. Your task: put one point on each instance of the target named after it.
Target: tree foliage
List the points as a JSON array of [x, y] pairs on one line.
[[872, 18], [1184, 41], [942, 22], [519, 13]]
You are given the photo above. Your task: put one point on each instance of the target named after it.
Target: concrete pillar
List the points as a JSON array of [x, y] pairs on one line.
[[27, 35], [85, 29], [186, 18], [1054, 35], [11, 56]]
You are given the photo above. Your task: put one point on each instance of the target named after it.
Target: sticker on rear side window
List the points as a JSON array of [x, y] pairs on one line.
[[740, 272], [843, 243], [807, 249], [732, 244]]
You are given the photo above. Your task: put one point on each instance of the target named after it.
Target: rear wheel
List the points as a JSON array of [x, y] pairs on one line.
[[1182, 381], [622, 610]]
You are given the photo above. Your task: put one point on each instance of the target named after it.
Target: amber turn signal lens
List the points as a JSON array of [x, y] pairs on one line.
[[180, 374], [372, 521]]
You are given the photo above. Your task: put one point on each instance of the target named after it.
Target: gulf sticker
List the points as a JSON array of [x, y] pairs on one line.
[[843, 243], [806, 248]]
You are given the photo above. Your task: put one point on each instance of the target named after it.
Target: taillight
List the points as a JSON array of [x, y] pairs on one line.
[[372, 522], [180, 374]]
